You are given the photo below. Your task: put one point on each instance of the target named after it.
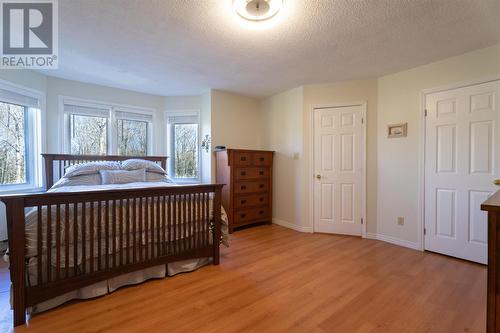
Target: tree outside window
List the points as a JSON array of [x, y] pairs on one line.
[[12, 144], [132, 137], [88, 135]]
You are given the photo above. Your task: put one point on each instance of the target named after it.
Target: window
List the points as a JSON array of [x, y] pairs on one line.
[[184, 147], [133, 133], [99, 129], [19, 138], [132, 137], [186, 150], [13, 144]]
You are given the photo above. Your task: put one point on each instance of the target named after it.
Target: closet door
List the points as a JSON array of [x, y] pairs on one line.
[[462, 162]]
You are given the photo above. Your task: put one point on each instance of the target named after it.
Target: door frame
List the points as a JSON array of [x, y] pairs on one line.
[[423, 134], [310, 169]]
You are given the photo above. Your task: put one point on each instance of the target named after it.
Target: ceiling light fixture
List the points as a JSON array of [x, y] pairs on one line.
[[257, 10]]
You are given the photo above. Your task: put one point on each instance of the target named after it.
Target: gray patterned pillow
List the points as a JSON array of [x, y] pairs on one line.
[[122, 176], [93, 179], [90, 168], [150, 166]]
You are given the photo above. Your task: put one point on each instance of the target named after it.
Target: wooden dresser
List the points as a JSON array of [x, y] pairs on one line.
[[492, 206], [248, 175]]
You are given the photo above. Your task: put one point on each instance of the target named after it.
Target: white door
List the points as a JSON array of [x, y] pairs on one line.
[[462, 159], [338, 170]]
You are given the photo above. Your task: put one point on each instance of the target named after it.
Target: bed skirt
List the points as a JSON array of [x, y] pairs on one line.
[[108, 286]]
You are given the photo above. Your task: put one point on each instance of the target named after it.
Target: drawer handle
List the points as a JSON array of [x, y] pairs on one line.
[[243, 158], [261, 173], [261, 212], [243, 173], [243, 187], [261, 199], [243, 215], [243, 202], [261, 159], [261, 186]]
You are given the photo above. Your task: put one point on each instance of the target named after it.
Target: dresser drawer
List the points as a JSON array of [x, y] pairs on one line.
[[251, 173], [262, 159], [251, 187], [242, 158], [251, 201], [254, 214]]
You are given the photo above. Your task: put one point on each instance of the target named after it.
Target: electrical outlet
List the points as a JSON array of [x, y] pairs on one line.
[[401, 220]]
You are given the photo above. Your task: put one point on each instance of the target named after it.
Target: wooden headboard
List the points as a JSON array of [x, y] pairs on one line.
[[55, 164]]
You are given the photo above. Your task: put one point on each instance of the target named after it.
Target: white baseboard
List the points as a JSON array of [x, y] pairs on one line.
[[393, 240], [289, 225], [380, 237]]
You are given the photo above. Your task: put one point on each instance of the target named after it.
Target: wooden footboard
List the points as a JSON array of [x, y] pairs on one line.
[[72, 240]]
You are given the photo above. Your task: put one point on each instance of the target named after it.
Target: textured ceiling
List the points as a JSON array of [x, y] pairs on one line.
[[180, 47]]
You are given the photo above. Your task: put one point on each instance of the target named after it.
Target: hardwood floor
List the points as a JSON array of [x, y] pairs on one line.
[[274, 279]]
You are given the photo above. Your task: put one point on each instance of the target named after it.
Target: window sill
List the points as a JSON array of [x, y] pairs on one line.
[[186, 181], [20, 190]]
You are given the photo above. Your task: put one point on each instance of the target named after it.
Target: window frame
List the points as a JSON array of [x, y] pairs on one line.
[[34, 132], [112, 122], [170, 143]]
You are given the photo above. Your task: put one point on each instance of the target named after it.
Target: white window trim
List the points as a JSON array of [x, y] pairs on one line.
[[112, 132], [38, 135], [181, 113]]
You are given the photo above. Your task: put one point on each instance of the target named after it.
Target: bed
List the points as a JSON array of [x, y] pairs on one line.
[[75, 237]]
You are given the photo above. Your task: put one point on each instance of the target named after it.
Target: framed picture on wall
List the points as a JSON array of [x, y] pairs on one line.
[[397, 130]]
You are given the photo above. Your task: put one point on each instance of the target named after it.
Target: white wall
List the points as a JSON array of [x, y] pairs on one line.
[[206, 129], [28, 79], [176, 103], [399, 100], [59, 87], [54, 87]]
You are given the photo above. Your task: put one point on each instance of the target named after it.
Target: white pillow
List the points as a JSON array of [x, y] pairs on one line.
[[90, 168], [93, 179], [150, 166], [122, 176]]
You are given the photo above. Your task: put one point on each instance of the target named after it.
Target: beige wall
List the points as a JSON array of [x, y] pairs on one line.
[[283, 121], [345, 92], [399, 100], [288, 118], [236, 122]]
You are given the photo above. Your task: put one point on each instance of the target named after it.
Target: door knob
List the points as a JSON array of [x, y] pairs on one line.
[[319, 177], [496, 182]]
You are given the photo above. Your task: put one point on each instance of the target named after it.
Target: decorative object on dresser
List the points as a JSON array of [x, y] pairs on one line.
[[247, 196]]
